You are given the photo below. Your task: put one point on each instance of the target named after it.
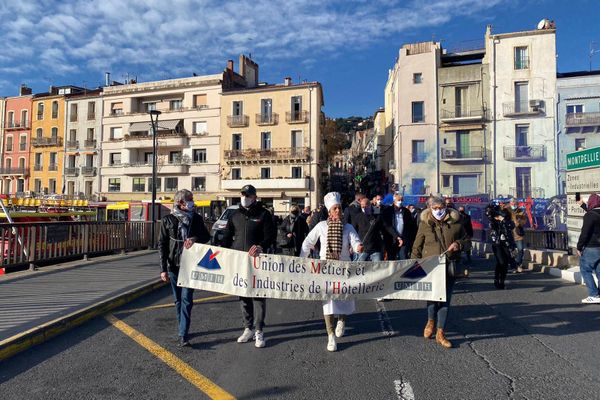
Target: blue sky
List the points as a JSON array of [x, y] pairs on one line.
[[347, 45]]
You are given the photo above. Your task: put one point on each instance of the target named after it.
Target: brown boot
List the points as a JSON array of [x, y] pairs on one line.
[[441, 339], [428, 331]]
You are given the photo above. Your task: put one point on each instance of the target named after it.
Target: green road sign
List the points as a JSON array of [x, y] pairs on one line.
[[583, 159]]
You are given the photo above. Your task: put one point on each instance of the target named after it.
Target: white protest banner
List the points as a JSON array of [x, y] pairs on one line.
[[283, 277]]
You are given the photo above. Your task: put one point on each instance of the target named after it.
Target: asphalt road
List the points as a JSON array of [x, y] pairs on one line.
[[534, 340]]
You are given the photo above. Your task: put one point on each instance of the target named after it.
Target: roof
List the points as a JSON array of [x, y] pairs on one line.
[[577, 73]]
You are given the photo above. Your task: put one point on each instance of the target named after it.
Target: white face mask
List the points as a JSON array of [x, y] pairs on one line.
[[398, 203], [439, 214], [378, 202], [246, 201]]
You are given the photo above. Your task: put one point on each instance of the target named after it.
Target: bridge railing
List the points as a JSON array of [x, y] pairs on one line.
[[46, 242], [538, 240]]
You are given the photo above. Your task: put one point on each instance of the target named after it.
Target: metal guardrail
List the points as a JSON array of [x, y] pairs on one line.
[[538, 240], [45, 242], [583, 119]]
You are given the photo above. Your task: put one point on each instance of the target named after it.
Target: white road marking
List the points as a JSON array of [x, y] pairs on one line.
[[384, 320], [404, 390]]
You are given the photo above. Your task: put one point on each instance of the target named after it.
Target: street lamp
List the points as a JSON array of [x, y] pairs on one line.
[[154, 121]]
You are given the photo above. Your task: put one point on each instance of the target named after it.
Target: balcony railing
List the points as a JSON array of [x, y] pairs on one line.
[[46, 141], [89, 143], [88, 171], [522, 62], [524, 192], [583, 119], [53, 167], [71, 171], [531, 107], [534, 152], [73, 118], [72, 144], [237, 121], [257, 155], [16, 125], [22, 146], [91, 116], [463, 114], [267, 119], [296, 117], [462, 154], [14, 171], [37, 167]]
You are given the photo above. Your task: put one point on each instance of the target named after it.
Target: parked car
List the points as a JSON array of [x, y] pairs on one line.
[[218, 228]]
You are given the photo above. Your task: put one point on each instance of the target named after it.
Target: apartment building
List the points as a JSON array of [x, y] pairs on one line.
[[187, 138], [382, 142], [464, 137], [16, 141], [82, 144], [411, 99], [522, 69], [271, 138], [578, 115]]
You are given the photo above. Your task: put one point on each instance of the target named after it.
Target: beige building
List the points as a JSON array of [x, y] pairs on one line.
[[271, 138]]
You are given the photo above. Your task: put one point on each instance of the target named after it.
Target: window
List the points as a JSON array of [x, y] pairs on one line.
[[521, 133], [237, 108], [521, 58], [24, 119], [40, 111], [460, 101], [23, 142], [266, 110], [139, 184], [20, 185], [199, 183], [236, 141], [89, 160], [54, 132], [54, 109], [116, 108], [150, 106], [157, 184], [418, 77], [523, 175], [21, 163], [418, 186], [199, 100], [265, 140], [116, 133], [199, 156], [296, 107], [297, 139], [579, 144], [299, 201], [91, 110], [575, 109], [71, 161], [114, 159], [9, 143], [175, 104], [11, 119], [265, 173], [174, 157], [417, 111], [236, 173], [9, 163], [88, 188], [52, 164], [38, 161], [464, 185], [148, 156], [52, 186], [171, 184], [90, 134], [73, 116], [39, 132], [445, 181], [114, 185], [37, 185], [296, 172], [418, 151], [200, 127], [521, 96], [72, 135]]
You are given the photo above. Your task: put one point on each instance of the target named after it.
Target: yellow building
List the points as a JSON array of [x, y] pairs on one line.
[[271, 138]]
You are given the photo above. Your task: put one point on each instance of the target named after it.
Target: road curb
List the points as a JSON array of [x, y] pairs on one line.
[[41, 333]]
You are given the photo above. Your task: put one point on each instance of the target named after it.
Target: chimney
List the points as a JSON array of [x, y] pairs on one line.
[[24, 90], [230, 65], [107, 79], [287, 81]]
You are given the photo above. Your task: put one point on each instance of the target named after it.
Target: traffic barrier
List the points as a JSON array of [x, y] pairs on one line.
[[541, 240]]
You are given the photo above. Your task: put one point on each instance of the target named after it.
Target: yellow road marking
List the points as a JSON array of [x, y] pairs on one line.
[[158, 306], [207, 386]]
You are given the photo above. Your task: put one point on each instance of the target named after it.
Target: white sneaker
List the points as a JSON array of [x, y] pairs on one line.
[[259, 338], [246, 336], [340, 328], [331, 346], [591, 300]]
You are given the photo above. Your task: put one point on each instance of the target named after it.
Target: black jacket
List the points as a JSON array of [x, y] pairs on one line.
[[501, 232], [170, 243], [298, 228], [409, 231], [465, 220], [248, 227], [369, 228], [590, 231]]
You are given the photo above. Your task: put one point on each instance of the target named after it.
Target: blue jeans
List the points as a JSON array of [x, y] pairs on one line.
[[376, 256], [437, 310], [520, 250], [184, 300], [589, 264]]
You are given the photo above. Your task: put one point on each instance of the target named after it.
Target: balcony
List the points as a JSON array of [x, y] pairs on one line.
[[452, 154], [72, 144], [71, 171], [53, 167], [89, 143], [237, 121], [16, 171], [296, 117], [525, 192], [267, 119], [276, 184], [165, 139], [16, 125], [583, 119], [46, 141], [37, 167], [523, 108], [91, 116], [88, 171], [461, 114], [257, 156], [143, 168], [534, 152]]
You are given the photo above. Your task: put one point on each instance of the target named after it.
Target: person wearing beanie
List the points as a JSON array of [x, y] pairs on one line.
[[588, 247], [336, 239]]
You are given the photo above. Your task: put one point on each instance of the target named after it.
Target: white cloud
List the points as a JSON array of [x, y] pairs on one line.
[[182, 35]]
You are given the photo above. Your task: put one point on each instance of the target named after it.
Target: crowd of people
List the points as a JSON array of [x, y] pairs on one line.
[[366, 230]]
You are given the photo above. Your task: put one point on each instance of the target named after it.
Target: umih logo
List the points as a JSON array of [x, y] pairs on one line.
[[209, 261], [415, 271]]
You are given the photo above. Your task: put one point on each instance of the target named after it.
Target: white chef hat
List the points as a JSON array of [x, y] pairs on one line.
[[331, 199]]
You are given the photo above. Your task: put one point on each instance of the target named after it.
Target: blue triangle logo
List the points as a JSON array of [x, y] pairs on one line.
[[209, 261], [415, 272]]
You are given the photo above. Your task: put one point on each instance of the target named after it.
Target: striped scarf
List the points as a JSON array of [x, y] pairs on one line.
[[335, 229]]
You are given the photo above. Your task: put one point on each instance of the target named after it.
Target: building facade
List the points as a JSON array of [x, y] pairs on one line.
[[578, 115], [82, 144], [271, 138], [16, 142], [522, 96]]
